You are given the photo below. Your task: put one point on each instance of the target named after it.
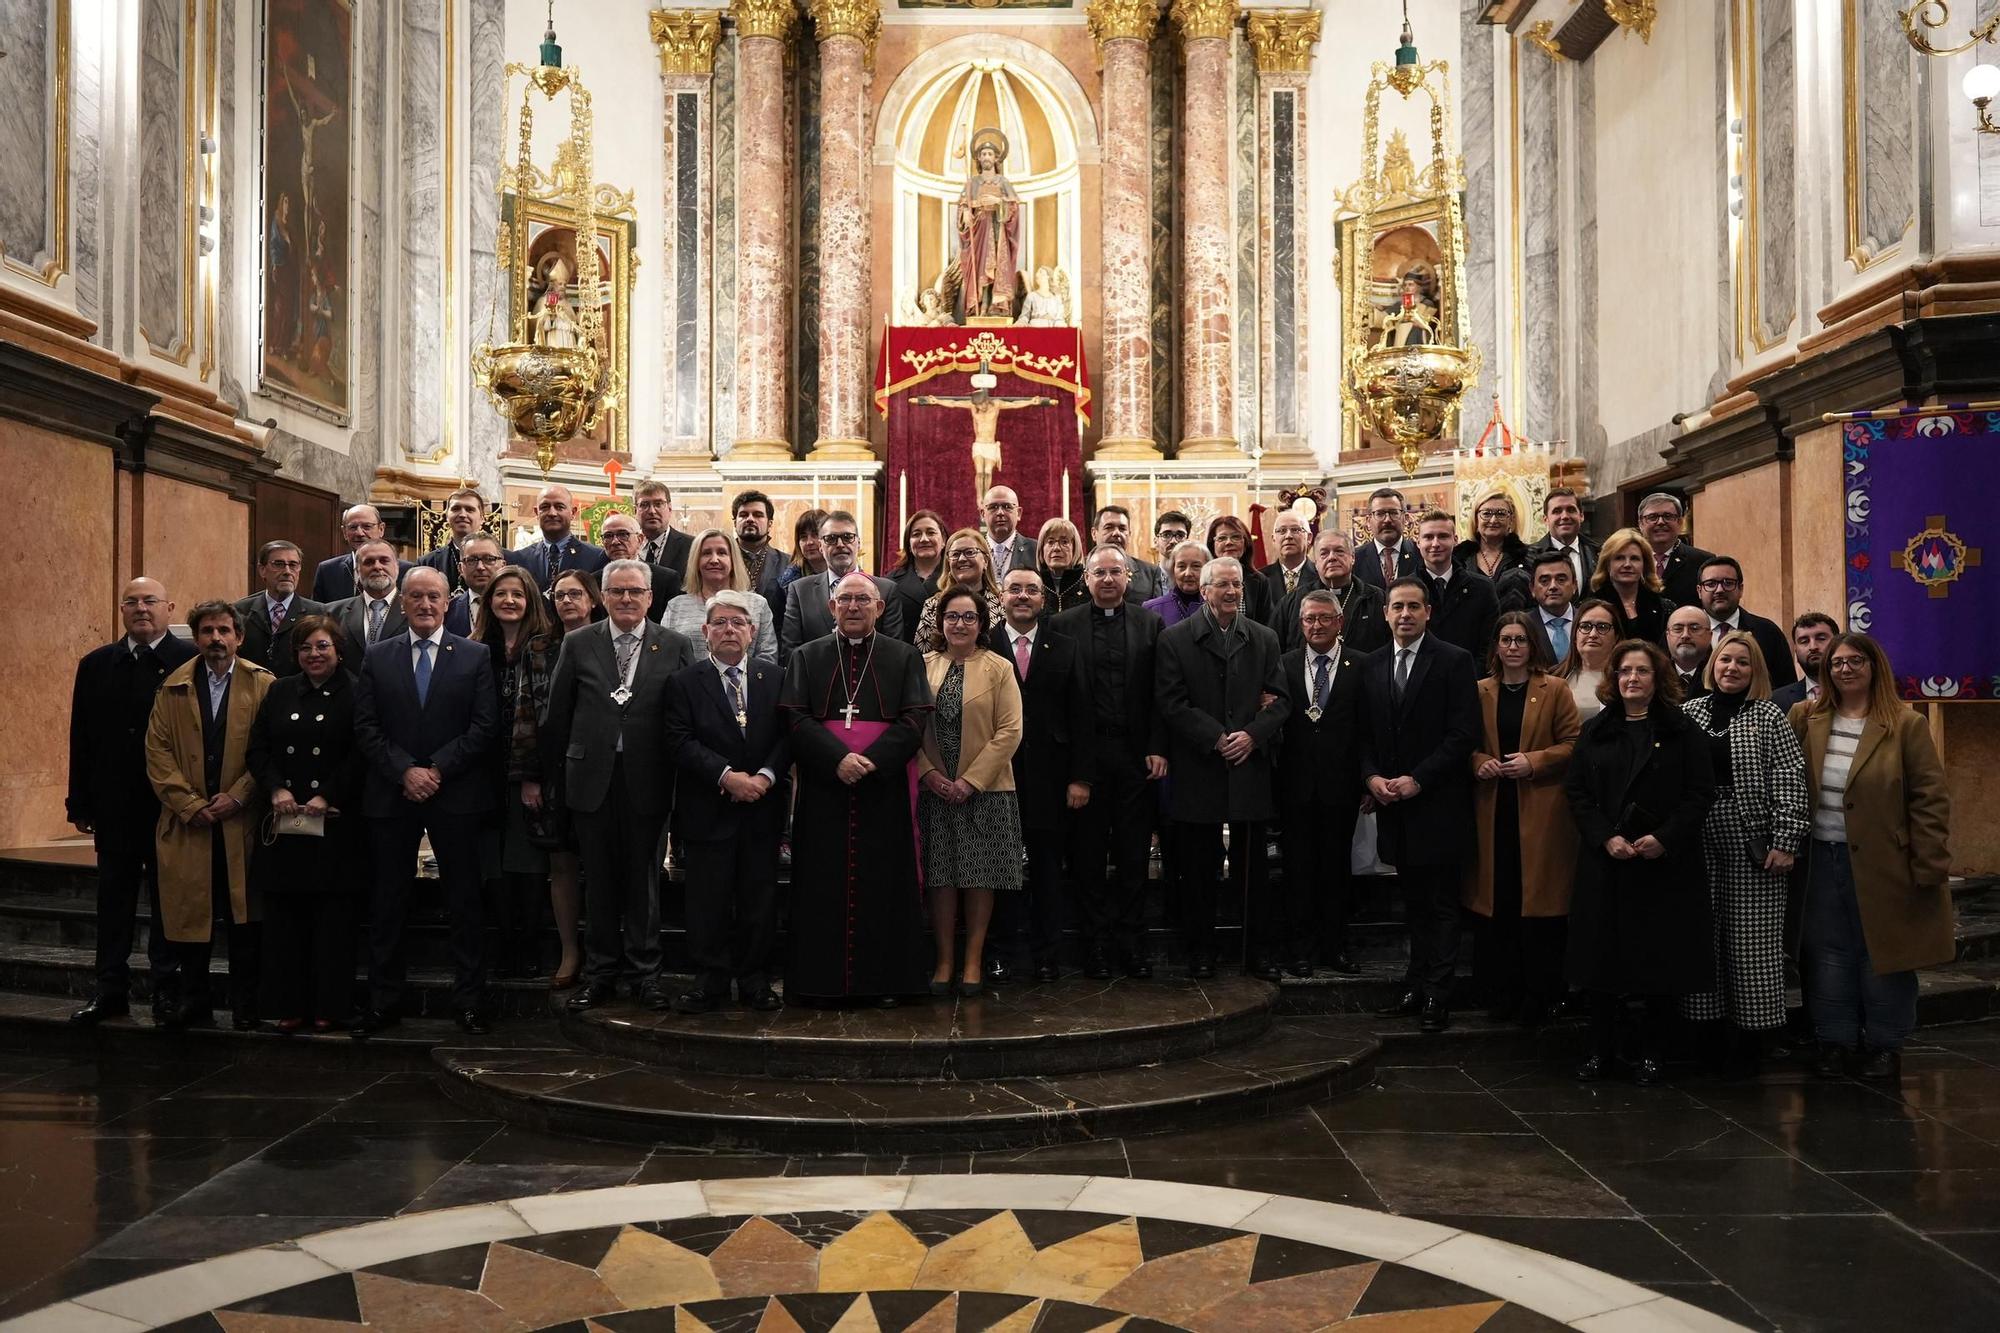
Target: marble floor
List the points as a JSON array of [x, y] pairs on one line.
[[190, 1190]]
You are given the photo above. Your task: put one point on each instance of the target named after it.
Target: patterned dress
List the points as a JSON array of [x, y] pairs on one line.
[[976, 845]]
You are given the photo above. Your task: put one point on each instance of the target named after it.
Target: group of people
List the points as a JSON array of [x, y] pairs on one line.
[[981, 745]]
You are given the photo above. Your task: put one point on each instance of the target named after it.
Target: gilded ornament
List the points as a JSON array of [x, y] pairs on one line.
[[1543, 35], [1935, 14], [1283, 39], [764, 18], [1638, 15], [847, 18], [687, 39], [1198, 19], [1111, 20]]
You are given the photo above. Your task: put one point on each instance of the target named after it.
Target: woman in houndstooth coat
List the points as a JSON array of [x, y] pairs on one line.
[[1753, 831]]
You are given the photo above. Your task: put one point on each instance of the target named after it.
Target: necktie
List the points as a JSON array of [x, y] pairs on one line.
[[1319, 682], [1559, 638], [1002, 553], [1388, 565], [1292, 584], [653, 549], [1403, 656], [424, 647], [628, 647], [1022, 649], [375, 613], [277, 616], [554, 564], [735, 675]]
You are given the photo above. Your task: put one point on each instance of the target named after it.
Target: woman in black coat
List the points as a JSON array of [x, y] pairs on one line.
[[1626, 579], [303, 752], [1639, 787]]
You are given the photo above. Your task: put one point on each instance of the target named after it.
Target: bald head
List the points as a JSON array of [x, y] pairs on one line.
[[1688, 637], [144, 610], [425, 593], [1003, 512], [555, 510], [360, 523], [621, 537], [856, 604]]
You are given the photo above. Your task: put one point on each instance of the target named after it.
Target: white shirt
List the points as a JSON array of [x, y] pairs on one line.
[[133, 645], [273, 604], [1014, 636], [1568, 617], [368, 605], [742, 668], [1385, 554], [1574, 551], [1414, 647], [1332, 656], [1444, 577], [218, 688], [1724, 626], [435, 639]]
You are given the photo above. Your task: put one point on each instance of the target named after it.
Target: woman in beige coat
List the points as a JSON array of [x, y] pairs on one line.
[[1877, 907], [968, 824], [1526, 859]]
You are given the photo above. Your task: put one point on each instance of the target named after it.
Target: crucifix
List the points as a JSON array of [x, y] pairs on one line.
[[848, 714], [985, 410]]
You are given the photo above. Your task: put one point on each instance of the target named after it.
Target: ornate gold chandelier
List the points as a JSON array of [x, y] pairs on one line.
[[1407, 388], [552, 378]]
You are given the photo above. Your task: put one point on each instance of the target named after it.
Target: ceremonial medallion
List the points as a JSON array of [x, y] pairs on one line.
[[621, 696]]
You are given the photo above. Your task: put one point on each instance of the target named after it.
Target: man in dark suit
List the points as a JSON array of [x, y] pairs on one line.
[[427, 718], [374, 613], [808, 599], [1006, 544], [1360, 603], [1676, 562], [334, 579], [1224, 702], [1115, 642], [464, 516], [1689, 644], [1319, 786], [1052, 769], [1419, 722], [479, 562], [665, 544], [1144, 579], [1462, 601], [730, 745], [1388, 555], [607, 712], [1293, 570], [110, 799], [560, 549], [1563, 514], [1721, 589], [1552, 583], [763, 561], [623, 541], [268, 616], [1812, 636]]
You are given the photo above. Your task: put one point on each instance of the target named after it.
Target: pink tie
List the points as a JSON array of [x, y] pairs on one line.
[[1022, 647]]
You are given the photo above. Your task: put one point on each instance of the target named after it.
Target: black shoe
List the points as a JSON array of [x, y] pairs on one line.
[[1300, 967], [372, 1022], [1047, 972], [99, 1009], [970, 990], [472, 1023], [1097, 965], [163, 1011], [1594, 1070], [1830, 1061], [693, 1002], [1410, 1003], [1140, 970], [1201, 969], [591, 995], [1647, 1072], [654, 996], [1267, 971], [1880, 1066], [765, 1000], [1437, 1016], [998, 972], [1344, 965], [941, 988], [242, 1020]]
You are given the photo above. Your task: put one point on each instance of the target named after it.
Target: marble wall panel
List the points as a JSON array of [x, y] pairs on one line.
[[163, 201], [722, 302], [1166, 253], [1885, 117], [1243, 103], [1475, 131], [194, 569], [1777, 185], [228, 159], [805, 185], [1285, 167], [1972, 770], [27, 168], [1589, 427], [420, 179], [488, 120], [1751, 502], [1818, 553], [86, 155], [1540, 295], [683, 284]]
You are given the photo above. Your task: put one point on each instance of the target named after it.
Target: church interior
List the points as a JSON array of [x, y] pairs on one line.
[[263, 261]]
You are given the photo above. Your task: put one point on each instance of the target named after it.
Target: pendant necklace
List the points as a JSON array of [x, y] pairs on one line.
[[852, 694]]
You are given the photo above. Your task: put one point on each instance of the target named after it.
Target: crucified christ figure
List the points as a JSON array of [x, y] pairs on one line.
[[986, 410]]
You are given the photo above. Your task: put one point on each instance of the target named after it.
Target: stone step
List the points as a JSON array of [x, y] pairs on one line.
[[562, 1090], [1012, 1031]]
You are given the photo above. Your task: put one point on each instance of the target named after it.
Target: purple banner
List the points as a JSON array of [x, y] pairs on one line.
[[1923, 549]]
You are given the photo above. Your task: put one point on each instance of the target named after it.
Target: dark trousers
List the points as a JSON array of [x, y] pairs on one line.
[[1031, 921], [125, 868], [392, 848], [308, 955], [621, 913], [1116, 825], [1849, 1001], [243, 945], [1607, 1014], [1430, 907], [1318, 893], [731, 894]]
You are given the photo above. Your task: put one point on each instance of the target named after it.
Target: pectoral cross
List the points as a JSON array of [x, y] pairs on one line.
[[848, 713]]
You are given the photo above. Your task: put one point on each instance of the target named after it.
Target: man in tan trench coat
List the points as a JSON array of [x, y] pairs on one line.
[[197, 744]]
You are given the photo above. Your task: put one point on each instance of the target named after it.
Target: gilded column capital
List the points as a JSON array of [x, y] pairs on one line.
[[860, 19], [1204, 18], [764, 18], [1111, 20], [687, 38], [1283, 39]]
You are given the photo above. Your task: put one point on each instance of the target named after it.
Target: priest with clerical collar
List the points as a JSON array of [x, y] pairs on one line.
[[857, 703]]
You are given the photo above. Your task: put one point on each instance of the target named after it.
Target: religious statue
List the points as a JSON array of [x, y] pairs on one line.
[[930, 312], [1047, 305], [1411, 321], [552, 318], [985, 410], [989, 232]]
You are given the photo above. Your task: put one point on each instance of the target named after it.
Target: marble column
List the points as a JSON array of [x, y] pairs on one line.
[[1124, 30], [846, 30], [1282, 40], [763, 240], [1208, 391], [686, 39]]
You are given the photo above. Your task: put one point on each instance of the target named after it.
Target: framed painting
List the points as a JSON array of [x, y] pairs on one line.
[[542, 297], [305, 336]]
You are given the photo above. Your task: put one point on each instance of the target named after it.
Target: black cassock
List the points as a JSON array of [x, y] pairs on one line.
[[857, 914]]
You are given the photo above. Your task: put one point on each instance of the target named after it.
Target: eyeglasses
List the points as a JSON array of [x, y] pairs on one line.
[[964, 555], [1105, 573], [487, 559], [570, 595], [730, 622], [1001, 504], [1316, 622], [1848, 665], [134, 603], [626, 592], [840, 538], [853, 599], [1719, 585], [1494, 513], [1665, 516], [1593, 627], [960, 617]]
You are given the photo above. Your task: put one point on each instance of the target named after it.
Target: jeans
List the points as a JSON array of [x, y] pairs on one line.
[[1846, 997]]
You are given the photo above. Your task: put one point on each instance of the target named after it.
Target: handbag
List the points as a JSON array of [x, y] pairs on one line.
[[299, 824], [1637, 822], [1757, 848]]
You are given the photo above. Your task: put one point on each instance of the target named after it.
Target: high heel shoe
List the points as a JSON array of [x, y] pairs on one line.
[[941, 988], [968, 990]]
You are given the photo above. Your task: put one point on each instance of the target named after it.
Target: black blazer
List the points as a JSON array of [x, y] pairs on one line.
[[703, 739], [334, 579], [108, 711], [259, 646], [1430, 737], [768, 585], [1771, 642], [576, 554], [445, 561], [1319, 763], [912, 591], [1463, 614], [1683, 571], [1204, 693], [1274, 581], [1362, 628], [309, 751], [1368, 562], [674, 553], [1586, 548], [1651, 622], [1055, 725], [808, 617], [1794, 693], [1145, 730], [455, 730]]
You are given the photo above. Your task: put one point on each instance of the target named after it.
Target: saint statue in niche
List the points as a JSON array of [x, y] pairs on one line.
[[989, 232], [1047, 303], [1411, 319], [985, 410], [551, 315]]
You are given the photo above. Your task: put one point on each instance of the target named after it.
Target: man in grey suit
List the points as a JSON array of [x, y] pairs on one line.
[[606, 722], [808, 600], [268, 616], [1011, 550], [374, 613]]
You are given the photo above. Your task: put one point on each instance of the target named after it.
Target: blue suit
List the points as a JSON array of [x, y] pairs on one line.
[[576, 554]]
